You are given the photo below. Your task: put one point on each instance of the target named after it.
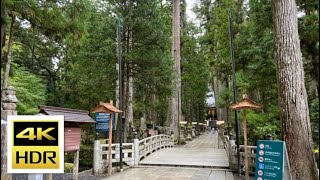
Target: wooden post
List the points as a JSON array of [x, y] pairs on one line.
[[96, 156], [245, 145], [48, 177], [110, 144], [76, 165]]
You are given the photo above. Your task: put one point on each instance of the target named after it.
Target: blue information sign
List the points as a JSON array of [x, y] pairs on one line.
[[102, 121], [270, 160]]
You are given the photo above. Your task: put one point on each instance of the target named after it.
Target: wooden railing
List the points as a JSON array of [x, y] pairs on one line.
[[154, 143], [225, 140], [231, 148], [132, 153], [127, 151], [251, 155]]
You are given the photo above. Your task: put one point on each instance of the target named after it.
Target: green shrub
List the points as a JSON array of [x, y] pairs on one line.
[[68, 167], [68, 157], [182, 142], [86, 155], [179, 141]]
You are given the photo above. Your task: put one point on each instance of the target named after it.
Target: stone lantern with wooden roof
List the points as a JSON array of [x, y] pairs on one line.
[[108, 108], [244, 104]]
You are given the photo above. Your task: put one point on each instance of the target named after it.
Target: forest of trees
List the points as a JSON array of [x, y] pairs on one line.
[[63, 53]]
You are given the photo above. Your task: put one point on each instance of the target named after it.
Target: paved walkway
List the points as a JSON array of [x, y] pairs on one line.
[[171, 173], [199, 159], [200, 152]]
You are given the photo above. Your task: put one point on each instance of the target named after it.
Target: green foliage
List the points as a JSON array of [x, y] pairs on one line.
[[67, 57], [255, 69], [68, 167], [87, 133], [260, 125], [178, 141], [219, 31], [225, 98], [30, 90], [150, 54], [85, 157], [45, 31], [308, 25], [195, 74]]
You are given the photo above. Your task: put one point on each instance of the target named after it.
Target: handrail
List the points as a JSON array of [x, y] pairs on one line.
[[152, 137], [132, 152], [231, 148], [127, 151], [153, 143]]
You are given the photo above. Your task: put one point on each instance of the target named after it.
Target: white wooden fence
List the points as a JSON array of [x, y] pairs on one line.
[[231, 148], [132, 152], [154, 143]]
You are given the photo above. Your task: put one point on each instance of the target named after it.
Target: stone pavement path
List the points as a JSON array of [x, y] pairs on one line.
[[171, 173], [202, 151]]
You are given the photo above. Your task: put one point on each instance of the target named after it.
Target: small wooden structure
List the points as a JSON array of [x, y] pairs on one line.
[[244, 104], [73, 118], [108, 108]]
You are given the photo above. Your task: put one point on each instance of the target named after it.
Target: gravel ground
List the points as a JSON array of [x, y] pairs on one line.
[[84, 175], [65, 176], [242, 177]]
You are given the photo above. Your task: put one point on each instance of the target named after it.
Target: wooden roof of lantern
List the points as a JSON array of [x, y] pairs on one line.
[[105, 107], [246, 103], [70, 115]]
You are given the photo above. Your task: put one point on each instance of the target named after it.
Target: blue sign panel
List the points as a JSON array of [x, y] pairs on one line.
[[102, 127], [269, 160], [102, 120]]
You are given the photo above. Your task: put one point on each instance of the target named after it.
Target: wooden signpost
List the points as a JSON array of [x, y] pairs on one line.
[[244, 104], [110, 146], [102, 121], [108, 108]]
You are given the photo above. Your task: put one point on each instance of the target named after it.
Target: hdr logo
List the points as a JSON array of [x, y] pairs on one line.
[[35, 144]]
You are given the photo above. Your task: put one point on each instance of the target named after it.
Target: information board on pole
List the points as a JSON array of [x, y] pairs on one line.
[[102, 121], [272, 161]]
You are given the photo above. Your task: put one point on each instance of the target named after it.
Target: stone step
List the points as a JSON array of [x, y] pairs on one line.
[[205, 168], [185, 165]]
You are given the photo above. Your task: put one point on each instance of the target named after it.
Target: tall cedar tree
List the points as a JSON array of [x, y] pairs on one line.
[[294, 112], [174, 111]]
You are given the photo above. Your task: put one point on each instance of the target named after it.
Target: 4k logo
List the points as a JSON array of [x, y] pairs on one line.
[[31, 135], [35, 144]]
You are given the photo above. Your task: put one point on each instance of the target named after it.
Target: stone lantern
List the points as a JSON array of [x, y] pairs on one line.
[[8, 107]]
